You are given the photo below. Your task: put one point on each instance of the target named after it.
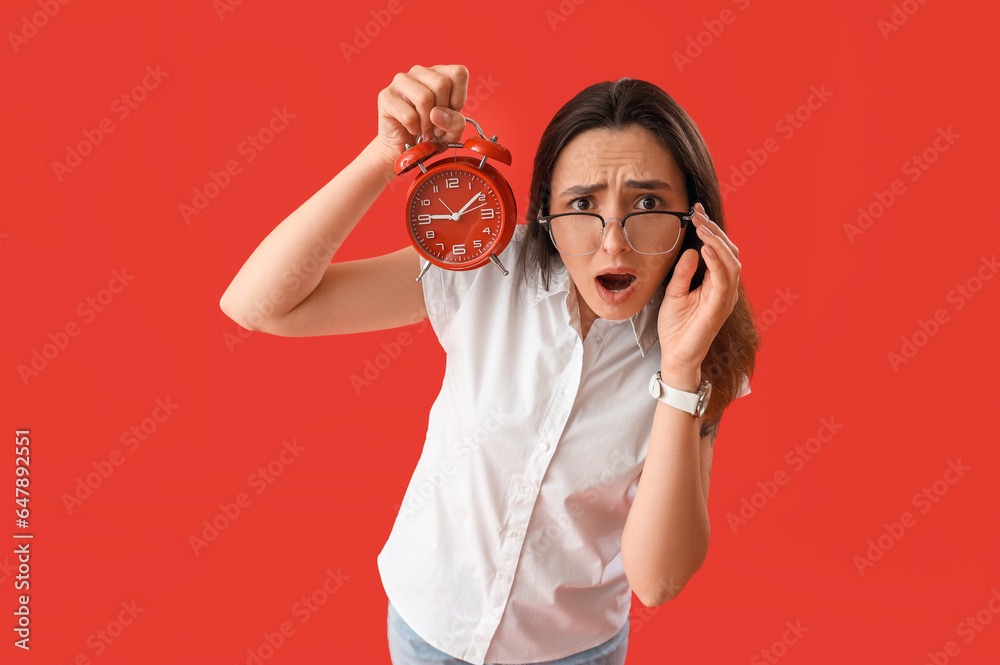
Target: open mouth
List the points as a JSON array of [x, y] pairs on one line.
[[616, 282]]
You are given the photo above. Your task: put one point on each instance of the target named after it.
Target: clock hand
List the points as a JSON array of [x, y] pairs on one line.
[[446, 205], [471, 209], [441, 216], [462, 211]]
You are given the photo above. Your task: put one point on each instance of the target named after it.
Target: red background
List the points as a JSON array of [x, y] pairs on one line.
[[824, 356]]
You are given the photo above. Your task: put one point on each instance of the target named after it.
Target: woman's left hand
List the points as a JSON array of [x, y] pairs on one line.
[[689, 320]]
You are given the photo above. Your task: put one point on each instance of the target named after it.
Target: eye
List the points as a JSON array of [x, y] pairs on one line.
[[572, 204], [655, 201]]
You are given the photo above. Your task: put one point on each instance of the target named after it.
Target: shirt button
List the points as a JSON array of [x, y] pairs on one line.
[[565, 392], [514, 535], [496, 611], [544, 446]]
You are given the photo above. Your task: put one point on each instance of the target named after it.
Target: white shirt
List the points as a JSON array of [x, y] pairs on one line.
[[507, 545]]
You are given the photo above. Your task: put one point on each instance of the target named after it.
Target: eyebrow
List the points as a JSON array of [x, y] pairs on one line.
[[584, 190]]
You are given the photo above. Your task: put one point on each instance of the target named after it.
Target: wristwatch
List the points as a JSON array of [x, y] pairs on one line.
[[693, 403]]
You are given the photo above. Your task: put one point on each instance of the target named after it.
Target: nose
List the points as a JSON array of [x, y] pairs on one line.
[[614, 236]]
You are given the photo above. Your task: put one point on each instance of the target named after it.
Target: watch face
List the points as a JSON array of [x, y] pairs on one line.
[[455, 216]]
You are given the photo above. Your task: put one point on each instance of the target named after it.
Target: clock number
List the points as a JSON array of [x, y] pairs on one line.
[[477, 244], [424, 219], [441, 245], [458, 250], [487, 230], [429, 235], [487, 213], [451, 183], [435, 189], [482, 197], [425, 202]]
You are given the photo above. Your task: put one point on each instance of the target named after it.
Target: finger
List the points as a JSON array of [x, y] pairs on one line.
[[684, 269], [450, 124], [723, 267], [435, 81], [420, 97], [446, 122], [701, 218], [395, 107], [459, 76]]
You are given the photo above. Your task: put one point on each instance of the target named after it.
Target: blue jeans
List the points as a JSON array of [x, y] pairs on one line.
[[407, 648]]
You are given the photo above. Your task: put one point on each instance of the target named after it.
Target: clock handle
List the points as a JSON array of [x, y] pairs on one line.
[[488, 147]]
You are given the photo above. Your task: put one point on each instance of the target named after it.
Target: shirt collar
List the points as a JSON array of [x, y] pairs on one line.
[[643, 322]]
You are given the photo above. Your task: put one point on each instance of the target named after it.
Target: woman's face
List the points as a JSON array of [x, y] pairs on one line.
[[613, 173]]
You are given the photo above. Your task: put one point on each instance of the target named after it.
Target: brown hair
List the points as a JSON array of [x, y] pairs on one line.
[[618, 105]]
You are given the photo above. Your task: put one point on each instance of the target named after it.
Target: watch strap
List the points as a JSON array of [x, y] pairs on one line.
[[680, 399]]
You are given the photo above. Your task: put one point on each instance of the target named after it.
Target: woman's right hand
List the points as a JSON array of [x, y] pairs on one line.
[[419, 102]]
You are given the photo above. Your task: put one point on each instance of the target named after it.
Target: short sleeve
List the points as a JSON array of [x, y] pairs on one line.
[[444, 292], [745, 388]]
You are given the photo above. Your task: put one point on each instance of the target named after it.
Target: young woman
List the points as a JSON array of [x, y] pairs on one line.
[[567, 461]]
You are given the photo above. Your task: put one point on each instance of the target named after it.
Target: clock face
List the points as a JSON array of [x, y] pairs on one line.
[[455, 216]]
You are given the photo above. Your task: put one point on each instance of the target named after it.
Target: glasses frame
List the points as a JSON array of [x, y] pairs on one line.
[[684, 217]]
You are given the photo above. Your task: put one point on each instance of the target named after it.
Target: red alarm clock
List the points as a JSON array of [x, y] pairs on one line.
[[460, 211]]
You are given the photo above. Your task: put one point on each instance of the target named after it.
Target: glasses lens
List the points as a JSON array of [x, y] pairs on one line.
[[576, 233], [653, 233]]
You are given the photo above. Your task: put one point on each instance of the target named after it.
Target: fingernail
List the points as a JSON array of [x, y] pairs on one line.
[[439, 117]]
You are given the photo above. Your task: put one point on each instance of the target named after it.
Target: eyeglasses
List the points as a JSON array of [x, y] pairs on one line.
[[649, 232]]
